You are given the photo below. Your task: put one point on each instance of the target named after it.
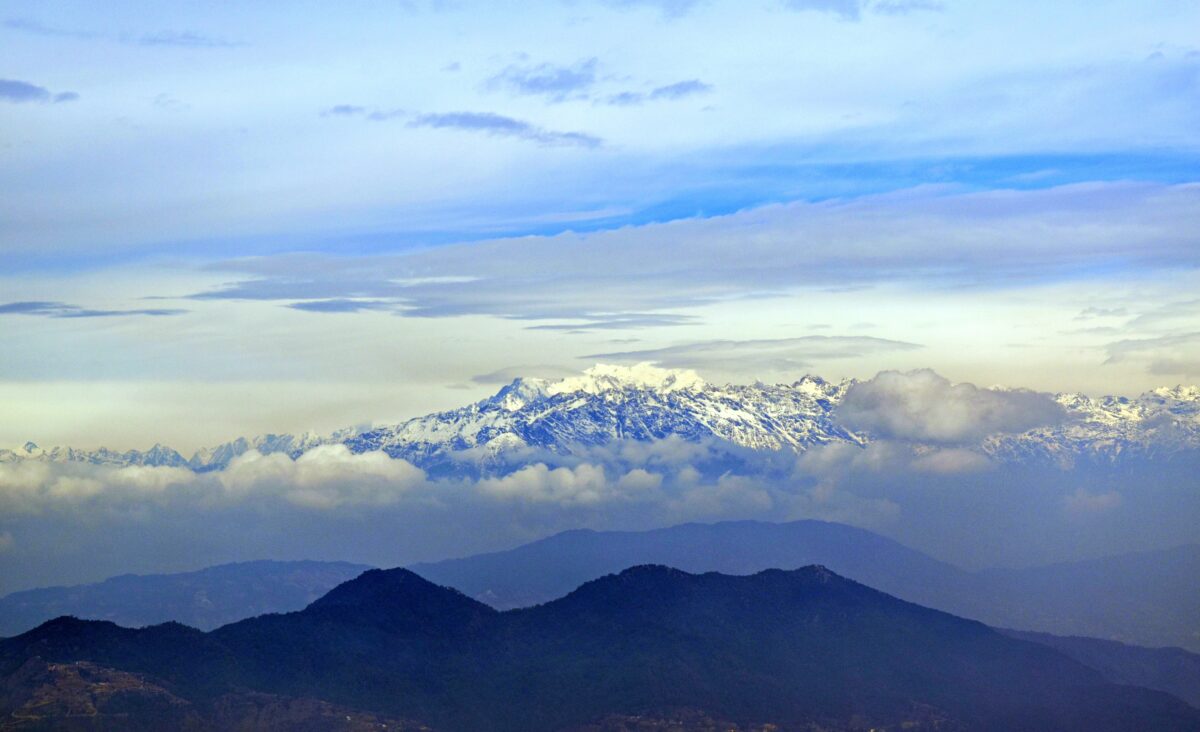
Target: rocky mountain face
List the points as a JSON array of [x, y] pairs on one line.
[[642, 403]]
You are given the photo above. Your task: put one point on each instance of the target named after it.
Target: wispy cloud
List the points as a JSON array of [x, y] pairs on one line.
[[176, 38], [930, 238], [620, 321], [343, 305], [1171, 355], [488, 123], [776, 355], [51, 309], [669, 8], [184, 39], [19, 92], [502, 126], [555, 83], [854, 9], [678, 90]]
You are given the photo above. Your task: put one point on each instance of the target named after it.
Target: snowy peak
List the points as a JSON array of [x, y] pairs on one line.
[[608, 377], [644, 403], [519, 393]]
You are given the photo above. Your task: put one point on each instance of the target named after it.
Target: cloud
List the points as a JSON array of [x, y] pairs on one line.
[[177, 38], [501, 126], [539, 483], [508, 374], [669, 8], [556, 83], [6, 541], [681, 89], [345, 110], [853, 9], [678, 90], [324, 477], [1170, 355], [904, 7], [184, 39], [921, 406], [623, 321], [1185, 312], [80, 522], [63, 310], [342, 305], [770, 354], [846, 9], [927, 238], [40, 29], [19, 92], [1095, 312], [32, 487]]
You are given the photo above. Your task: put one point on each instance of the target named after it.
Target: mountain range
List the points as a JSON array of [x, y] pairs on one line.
[[803, 649], [1148, 598], [206, 598], [641, 403]]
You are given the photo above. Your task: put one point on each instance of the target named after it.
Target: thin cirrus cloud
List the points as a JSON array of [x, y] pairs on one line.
[[556, 83], [926, 238], [50, 309], [19, 92], [678, 90], [488, 123], [502, 126], [853, 9], [669, 8], [1168, 355], [765, 354], [165, 38]]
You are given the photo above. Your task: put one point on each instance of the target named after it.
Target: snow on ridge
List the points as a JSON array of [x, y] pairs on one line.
[[644, 402], [607, 377]]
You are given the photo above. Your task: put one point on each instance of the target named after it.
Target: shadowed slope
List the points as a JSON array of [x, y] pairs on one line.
[[786, 647]]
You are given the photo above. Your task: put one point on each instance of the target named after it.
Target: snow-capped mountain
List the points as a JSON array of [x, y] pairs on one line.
[[640, 403]]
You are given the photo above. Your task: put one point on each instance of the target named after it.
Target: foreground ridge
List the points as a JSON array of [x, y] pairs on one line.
[[799, 649]]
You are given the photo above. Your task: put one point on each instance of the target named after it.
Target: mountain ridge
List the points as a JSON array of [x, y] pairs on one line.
[[611, 403], [794, 648]]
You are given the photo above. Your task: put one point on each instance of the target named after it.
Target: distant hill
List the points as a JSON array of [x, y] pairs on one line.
[[797, 649], [550, 568], [1149, 598], [1145, 598], [1172, 670], [205, 599]]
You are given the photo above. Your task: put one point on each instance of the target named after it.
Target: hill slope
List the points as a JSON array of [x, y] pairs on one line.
[[205, 599], [1148, 598], [793, 648]]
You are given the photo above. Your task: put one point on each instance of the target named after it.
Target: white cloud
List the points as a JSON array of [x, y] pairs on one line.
[[324, 477], [922, 406], [583, 484]]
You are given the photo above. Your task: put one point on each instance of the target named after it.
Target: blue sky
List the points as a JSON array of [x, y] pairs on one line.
[[203, 202]]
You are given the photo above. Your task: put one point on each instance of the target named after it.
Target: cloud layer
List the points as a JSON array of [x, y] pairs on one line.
[[929, 238]]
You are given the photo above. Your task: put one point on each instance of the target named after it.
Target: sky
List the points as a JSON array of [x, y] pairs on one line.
[[223, 220], [227, 219]]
